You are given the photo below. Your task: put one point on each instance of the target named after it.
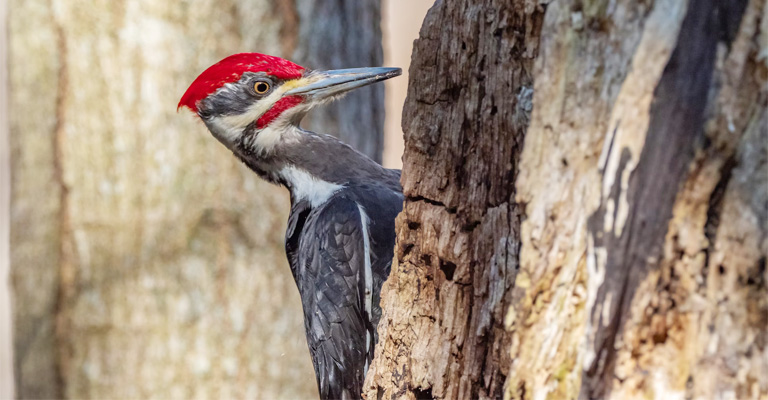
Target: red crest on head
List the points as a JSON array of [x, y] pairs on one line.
[[231, 69]]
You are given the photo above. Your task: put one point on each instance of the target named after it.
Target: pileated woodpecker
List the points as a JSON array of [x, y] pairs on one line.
[[341, 229]]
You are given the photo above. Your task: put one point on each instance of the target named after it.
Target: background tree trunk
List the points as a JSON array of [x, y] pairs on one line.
[[645, 180], [6, 318], [643, 191], [335, 34], [441, 335], [147, 261]]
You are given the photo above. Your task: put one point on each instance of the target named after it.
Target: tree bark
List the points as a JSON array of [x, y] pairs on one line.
[[146, 260], [645, 184], [469, 98], [643, 191], [336, 34]]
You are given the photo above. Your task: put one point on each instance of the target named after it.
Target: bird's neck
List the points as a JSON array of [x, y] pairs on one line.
[[305, 186], [311, 166]]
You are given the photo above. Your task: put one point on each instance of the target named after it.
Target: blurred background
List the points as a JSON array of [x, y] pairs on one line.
[[138, 258]]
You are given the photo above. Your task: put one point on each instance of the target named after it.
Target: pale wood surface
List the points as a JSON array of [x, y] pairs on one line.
[[147, 261], [644, 179]]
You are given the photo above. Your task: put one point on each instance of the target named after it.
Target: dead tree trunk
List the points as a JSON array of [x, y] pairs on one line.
[[643, 191], [645, 184], [146, 260], [469, 98]]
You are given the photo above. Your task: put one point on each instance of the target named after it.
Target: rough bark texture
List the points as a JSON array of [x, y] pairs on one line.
[[469, 98], [147, 261], [335, 34], [645, 182]]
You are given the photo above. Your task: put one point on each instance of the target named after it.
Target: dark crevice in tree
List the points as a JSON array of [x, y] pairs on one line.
[[470, 226], [413, 225], [423, 394], [448, 269], [715, 207], [450, 210], [730, 15]]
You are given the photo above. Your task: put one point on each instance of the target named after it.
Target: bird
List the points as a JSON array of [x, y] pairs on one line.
[[340, 234]]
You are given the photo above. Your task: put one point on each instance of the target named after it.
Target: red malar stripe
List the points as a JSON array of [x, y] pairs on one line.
[[283, 104]]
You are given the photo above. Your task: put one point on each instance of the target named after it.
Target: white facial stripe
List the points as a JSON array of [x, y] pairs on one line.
[[254, 112], [258, 108], [229, 128]]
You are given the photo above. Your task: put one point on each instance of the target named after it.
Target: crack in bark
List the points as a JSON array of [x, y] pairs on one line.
[[714, 210], [422, 199]]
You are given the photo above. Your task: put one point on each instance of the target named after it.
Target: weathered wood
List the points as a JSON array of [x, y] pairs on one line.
[[469, 98], [632, 240], [147, 261], [644, 185], [639, 278]]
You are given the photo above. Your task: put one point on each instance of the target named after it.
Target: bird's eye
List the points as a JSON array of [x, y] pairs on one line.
[[261, 87]]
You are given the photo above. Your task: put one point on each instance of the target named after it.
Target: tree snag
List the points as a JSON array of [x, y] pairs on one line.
[[642, 190], [469, 99]]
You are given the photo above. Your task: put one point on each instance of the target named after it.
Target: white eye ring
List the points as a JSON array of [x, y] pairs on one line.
[[261, 87]]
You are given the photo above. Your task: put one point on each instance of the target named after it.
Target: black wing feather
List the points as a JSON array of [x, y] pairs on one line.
[[331, 251]]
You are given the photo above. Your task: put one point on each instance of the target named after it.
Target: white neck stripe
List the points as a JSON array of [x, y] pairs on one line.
[[304, 186]]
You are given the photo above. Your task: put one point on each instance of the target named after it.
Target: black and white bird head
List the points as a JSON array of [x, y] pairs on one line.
[[257, 101], [253, 104]]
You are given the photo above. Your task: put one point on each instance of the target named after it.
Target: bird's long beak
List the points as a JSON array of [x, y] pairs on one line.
[[322, 84]]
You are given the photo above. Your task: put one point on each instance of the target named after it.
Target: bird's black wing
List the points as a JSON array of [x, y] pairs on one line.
[[331, 263]]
